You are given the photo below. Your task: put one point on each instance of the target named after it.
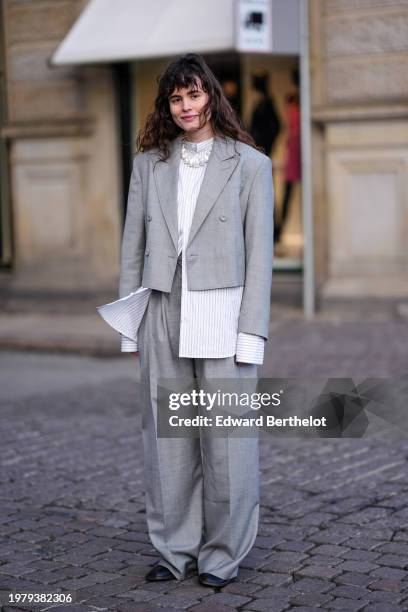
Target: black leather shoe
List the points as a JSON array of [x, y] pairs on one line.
[[214, 581], [159, 572]]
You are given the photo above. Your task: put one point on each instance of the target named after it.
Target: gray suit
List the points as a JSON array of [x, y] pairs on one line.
[[202, 494], [231, 237]]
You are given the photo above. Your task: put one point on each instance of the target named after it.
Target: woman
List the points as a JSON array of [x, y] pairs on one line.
[[198, 237], [293, 163]]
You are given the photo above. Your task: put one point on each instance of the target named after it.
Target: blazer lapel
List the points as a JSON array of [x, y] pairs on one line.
[[222, 163], [166, 179]]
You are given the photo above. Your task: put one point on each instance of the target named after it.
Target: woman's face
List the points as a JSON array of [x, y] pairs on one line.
[[186, 105]]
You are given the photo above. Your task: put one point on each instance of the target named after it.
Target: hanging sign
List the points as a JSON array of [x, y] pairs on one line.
[[253, 26]]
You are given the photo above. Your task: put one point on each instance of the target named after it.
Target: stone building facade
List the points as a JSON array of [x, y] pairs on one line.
[[359, 72], [62, 147]]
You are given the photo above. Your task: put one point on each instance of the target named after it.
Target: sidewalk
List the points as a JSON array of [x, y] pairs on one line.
[[75, 333], [75, 326], [69, 322], [51, 322]]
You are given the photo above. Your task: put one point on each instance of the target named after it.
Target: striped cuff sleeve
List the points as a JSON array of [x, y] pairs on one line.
[[250, 348], [128, 345]]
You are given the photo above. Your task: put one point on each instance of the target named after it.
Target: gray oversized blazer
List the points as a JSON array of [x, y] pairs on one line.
[[231, 237]]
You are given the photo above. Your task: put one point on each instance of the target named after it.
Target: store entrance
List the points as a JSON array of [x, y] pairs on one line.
[[272, 112], [227, 68], [265, 92]]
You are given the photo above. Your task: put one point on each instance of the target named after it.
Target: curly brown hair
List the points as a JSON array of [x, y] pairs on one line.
[[186, 71]]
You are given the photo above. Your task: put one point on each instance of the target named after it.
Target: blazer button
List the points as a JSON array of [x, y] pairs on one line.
[[147, 253], [149, 217], [222, 218]]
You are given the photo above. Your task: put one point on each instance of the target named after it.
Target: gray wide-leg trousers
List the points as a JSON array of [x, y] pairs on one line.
[[202, 493]]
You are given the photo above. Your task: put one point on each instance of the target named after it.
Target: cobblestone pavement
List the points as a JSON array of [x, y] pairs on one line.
[[333, 529]]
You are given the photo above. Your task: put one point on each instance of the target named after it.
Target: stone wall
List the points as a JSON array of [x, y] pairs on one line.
[[64, 155], [359, 54]]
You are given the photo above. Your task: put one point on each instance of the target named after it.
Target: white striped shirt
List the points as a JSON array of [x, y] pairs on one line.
[[209, 318]]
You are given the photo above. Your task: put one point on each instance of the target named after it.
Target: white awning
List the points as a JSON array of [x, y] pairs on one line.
[[116, 30]]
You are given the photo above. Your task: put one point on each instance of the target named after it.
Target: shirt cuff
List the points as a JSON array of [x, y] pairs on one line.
[[250, 348], [128, 345]]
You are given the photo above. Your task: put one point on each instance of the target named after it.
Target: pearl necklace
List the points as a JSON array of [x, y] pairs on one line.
[[194, 159]]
